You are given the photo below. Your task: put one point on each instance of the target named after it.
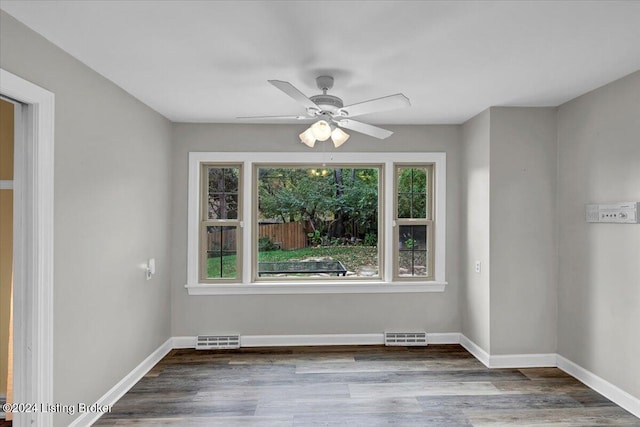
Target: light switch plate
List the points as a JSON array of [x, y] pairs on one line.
[[617, 213]]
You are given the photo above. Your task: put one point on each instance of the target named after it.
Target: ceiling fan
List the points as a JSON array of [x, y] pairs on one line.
[[330, 113]]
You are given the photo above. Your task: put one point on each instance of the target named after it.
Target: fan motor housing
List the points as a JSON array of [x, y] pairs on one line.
[[327, 102]]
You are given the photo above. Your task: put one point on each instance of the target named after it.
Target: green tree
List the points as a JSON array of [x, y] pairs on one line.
[[223, 193], [347, 197], [294, 194], [412, 192], [357, 203]]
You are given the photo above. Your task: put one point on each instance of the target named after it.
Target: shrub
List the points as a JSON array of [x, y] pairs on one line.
[[370, 239], [265, 244]]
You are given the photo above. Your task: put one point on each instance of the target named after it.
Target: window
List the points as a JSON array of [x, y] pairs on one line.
[[414, 222], [220, 235], [357, 223], [318, 223]]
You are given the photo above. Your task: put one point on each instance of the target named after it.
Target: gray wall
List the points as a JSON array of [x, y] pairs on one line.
[[523, 230], [310, 314], [599, 272], [111, 210], [508, 223], [475, 229]]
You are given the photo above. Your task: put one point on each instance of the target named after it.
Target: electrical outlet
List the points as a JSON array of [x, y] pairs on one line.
[[478, 266]]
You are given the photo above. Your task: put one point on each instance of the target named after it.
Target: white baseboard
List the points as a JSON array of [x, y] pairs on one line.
[[602, 386], [310, 340], [543, 360], [475, 350], [317, 340], [443, 338], [334, 339], [184, 342], [292, 340], [117, 391]]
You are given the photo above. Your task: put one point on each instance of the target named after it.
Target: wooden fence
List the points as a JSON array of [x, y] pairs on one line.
[[225, 242], [289, 235]]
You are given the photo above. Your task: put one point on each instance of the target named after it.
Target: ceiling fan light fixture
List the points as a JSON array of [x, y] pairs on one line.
[[339, 137], [321, 130], [307, 138]]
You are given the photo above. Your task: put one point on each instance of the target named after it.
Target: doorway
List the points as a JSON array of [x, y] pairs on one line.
[[32, 247], [9, 113]]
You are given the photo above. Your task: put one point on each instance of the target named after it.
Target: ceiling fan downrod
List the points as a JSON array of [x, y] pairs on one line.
[[328, 104]]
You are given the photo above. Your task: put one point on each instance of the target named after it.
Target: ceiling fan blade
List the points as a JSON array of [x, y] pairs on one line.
[[364, 128], [385, 103], [293, 92], [274, 118]]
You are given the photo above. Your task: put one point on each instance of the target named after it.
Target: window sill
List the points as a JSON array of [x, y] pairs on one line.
[[322, 288]]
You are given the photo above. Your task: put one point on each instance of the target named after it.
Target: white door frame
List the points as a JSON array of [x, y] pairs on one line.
[[33, 249]]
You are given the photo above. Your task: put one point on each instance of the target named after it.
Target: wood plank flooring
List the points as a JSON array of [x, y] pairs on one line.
[[438, 385]]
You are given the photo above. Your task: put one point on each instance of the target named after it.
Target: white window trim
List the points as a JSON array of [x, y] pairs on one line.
[[387, 285]]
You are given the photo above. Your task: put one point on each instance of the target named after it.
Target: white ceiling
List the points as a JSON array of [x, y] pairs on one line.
[[209, 61]]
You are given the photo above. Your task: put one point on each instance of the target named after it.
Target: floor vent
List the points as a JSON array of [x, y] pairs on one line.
[[217, 342], [405, 338]]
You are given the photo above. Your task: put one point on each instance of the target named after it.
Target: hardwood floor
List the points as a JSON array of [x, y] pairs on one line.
[[438, 385]]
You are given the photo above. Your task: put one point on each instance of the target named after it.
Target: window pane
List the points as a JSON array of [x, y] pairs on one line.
[[419, 206], [413, 251], [317, 221], [412, 187], [223, 192], [221, 246], [404, 205]]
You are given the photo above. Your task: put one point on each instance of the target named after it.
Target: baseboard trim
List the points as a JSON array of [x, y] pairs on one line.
[[117, 391], [475, 350], [317, 340], [602, 386], [443, 338], [310, 340], [183, 342], [523, 361]]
